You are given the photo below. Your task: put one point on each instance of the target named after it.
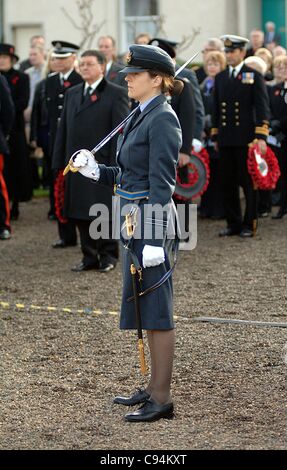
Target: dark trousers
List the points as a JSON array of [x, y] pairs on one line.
[[211, 204], [4, 199], [96, 252], [67, 232], [234, 174]]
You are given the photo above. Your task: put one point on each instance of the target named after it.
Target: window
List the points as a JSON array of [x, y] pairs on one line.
[[138, 16]]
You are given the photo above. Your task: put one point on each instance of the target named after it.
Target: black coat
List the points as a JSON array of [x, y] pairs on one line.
[[241, 108], [17, 165], [55, 94], [184, 107], [199, 109], [84, 125], [114, 76], [39, 117], [278, 109], [7, 114]]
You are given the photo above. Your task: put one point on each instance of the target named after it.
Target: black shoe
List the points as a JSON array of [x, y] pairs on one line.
[[280, 214], [105, 267], [228, 232], [150, 411], [140, 396], [246, 233], [62, 244], [83, 267], [5, 234]]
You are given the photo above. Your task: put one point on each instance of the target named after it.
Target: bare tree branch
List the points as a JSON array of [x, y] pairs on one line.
[[86, 25]]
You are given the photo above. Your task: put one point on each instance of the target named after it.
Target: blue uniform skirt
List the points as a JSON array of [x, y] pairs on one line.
[[156, 307]]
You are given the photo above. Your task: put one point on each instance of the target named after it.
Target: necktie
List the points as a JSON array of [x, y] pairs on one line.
[[233, 74], [88, 94], [134, 117]]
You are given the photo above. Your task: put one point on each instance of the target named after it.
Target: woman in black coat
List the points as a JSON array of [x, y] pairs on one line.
[[17, 166], [147, 156]]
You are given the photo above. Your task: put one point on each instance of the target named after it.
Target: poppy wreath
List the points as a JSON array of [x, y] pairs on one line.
[[192, 175], [268, 181], [59, 193]]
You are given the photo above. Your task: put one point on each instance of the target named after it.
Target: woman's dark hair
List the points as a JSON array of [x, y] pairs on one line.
[[169, 84]]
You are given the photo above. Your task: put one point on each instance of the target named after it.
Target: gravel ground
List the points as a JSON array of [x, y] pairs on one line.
[[60, 369]]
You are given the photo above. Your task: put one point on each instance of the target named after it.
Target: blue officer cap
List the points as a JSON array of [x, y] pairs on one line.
[[142, 58]]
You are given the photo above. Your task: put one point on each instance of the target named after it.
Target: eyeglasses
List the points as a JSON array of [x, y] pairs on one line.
[[88, 64]]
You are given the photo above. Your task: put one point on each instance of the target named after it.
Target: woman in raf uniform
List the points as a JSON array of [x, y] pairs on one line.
[[147, 156]]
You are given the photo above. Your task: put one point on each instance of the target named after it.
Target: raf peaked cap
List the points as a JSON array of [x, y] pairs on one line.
[[63, 49], [142, 58], [232, 42], [167, 46], [8, 49]]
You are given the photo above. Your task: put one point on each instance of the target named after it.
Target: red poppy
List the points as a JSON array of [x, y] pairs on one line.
[[94, 98], [277, 92], [15, 80], [239, 77], [67, 84]]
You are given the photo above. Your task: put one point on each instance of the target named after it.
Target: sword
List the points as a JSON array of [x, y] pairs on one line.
[[106, 139]]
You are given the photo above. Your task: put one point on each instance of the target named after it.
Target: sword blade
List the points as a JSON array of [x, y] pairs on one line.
[[119, 126]]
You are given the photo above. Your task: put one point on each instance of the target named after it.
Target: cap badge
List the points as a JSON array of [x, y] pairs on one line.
[[129, 57], [228, 43]]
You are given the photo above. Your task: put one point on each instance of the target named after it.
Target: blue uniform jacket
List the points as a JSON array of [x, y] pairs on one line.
[[147, 156]]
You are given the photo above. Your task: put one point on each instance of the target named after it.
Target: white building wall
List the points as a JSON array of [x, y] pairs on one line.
[[213, 17]]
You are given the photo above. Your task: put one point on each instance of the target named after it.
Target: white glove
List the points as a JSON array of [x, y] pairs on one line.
[[85, 161], [197, 145], [152, 256]]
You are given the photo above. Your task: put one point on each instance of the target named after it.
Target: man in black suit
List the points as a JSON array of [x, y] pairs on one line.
[[90, 112], [278, 138], [241, 114], [57, 85], [256, 42], [271, 39], [170, 48], [107, 46], [7, 114]]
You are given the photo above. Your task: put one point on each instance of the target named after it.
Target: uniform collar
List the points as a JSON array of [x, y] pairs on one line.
[[237, 68], [147, 102], [66, 75]]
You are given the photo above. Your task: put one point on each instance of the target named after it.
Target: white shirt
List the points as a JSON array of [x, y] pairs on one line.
[[237, 69], [93, 86], [64, 77], [108, 66]]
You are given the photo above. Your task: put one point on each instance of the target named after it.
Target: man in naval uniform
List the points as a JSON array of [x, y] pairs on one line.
[[56, 86], [240, 117]]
